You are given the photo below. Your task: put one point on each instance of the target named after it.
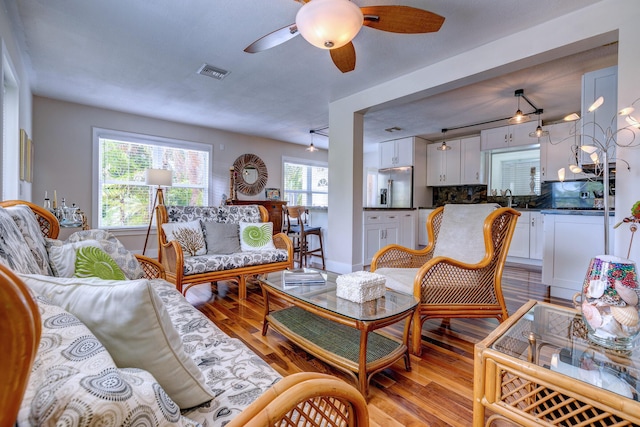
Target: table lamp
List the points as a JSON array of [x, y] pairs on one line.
[[159, 178]]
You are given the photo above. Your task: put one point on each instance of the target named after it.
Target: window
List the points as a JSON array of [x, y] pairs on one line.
[[121, 161], [516, 170], [306, 183]]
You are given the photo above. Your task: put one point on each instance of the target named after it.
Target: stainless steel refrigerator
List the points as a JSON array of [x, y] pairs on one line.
[[395, 187]]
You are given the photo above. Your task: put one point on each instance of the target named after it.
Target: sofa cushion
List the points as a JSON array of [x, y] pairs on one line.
[[94, 262], [62, 255], [30, 229], [210, 263], [188, 234], [74, 381], [125, 259], [256, 236], [221, 238], [131, 321], [226, 214], [14, 251], [233, 372]]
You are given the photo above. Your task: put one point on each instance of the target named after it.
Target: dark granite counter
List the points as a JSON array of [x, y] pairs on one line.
[[589, 212]]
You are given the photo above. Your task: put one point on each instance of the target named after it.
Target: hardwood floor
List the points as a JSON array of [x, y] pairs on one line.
[[437, 392]]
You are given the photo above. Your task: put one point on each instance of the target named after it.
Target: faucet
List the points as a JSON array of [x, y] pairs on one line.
[[509, 197]]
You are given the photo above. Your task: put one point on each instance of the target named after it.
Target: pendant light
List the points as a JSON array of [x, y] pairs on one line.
[[519, 116], [444, 146], [539, 132], [311, 148]]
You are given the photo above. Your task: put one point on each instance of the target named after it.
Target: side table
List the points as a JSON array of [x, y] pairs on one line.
[[537, 368]]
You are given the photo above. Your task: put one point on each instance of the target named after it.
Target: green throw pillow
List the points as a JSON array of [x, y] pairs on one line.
[[256, 236], [94, 262]]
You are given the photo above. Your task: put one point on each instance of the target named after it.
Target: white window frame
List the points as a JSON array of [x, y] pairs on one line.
[[305, 162], [100, 133]]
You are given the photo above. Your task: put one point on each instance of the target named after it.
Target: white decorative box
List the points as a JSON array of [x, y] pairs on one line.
[[360, 286]]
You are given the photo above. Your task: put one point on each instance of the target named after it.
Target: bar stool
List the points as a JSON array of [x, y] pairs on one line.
[[296, 227]]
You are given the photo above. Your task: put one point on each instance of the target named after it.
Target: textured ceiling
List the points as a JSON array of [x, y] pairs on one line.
[[142, 57]]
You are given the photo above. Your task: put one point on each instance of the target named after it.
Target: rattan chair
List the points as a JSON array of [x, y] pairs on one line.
[[20, 330], [297, 228], [448, 288]]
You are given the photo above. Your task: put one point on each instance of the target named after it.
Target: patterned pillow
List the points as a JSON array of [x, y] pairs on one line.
[[14, 251], [74, 381], [94, 262], [30, 229], [256, 236], [62, 255], [188, 234], [110, 244]]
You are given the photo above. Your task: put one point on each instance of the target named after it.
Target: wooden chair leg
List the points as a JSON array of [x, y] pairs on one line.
[[416, 333]]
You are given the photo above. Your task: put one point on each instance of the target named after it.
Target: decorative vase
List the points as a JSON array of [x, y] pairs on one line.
[[609, 305]]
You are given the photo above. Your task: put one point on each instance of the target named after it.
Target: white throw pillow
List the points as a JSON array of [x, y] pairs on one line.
[[256, 236], [130, 320], [188, 234], [62, 256], [461, 235]]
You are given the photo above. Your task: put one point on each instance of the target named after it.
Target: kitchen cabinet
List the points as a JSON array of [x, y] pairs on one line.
[[398, 152], [471, 164], [383, 228], [570, 241], [423, 215], [443, 167], [507, 136], [559, 150], [598, 83], [527, 241]]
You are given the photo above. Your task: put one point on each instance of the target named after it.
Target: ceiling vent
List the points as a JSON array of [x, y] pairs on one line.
[[214, 72]]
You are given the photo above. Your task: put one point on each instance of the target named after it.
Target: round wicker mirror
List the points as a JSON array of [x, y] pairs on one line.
[[251, 174]]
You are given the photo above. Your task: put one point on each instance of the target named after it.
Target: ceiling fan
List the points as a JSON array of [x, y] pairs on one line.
[[332, 24]]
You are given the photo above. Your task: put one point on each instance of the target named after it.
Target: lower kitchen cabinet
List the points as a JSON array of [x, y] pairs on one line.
[[570, 241], [526, 244], [383, 228]]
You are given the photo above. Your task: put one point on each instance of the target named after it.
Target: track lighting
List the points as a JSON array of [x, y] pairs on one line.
[[519, 116]]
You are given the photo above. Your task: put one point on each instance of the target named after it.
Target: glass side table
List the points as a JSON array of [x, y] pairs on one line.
[[538, 368]]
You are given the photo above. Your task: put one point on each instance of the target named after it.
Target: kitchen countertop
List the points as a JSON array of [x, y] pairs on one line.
[[589, 212]]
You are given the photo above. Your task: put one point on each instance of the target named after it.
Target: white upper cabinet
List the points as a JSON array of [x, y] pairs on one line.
[[396, 153], [558, 150], [595, 84], [443, 167], [471, 162], [508, 136]]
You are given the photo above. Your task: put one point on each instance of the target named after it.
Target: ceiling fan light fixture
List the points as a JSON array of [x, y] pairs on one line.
[[329, 24]]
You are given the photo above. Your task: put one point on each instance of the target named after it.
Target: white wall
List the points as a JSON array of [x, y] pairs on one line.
[[11, 61], [586, 28], [63, 160]]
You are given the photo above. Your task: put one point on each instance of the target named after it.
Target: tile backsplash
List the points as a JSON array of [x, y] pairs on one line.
[[554, 195]]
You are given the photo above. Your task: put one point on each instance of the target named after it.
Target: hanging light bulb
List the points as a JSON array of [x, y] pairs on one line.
[[539, 132], [519, 116], [311, 148], [329, 24], [444, 147]]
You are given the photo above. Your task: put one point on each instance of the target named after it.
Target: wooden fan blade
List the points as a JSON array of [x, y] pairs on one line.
[[401, 19], [344, 57], [273, 39]]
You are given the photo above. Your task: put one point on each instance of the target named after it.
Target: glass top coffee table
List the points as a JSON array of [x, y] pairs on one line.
[[539, 368], [338, 331]]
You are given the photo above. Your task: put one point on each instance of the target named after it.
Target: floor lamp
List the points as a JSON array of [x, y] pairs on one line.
[[159, 177]]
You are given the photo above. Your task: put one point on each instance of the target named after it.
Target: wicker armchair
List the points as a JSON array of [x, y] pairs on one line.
[[50, 228], [446, 287]]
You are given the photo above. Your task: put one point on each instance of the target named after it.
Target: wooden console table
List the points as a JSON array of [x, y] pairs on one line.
[[274, 207]]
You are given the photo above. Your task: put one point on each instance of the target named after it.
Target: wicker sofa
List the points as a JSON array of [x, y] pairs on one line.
[[185, 271], [65, 371]]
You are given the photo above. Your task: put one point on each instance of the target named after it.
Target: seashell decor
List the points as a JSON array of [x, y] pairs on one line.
[[610, 296]]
